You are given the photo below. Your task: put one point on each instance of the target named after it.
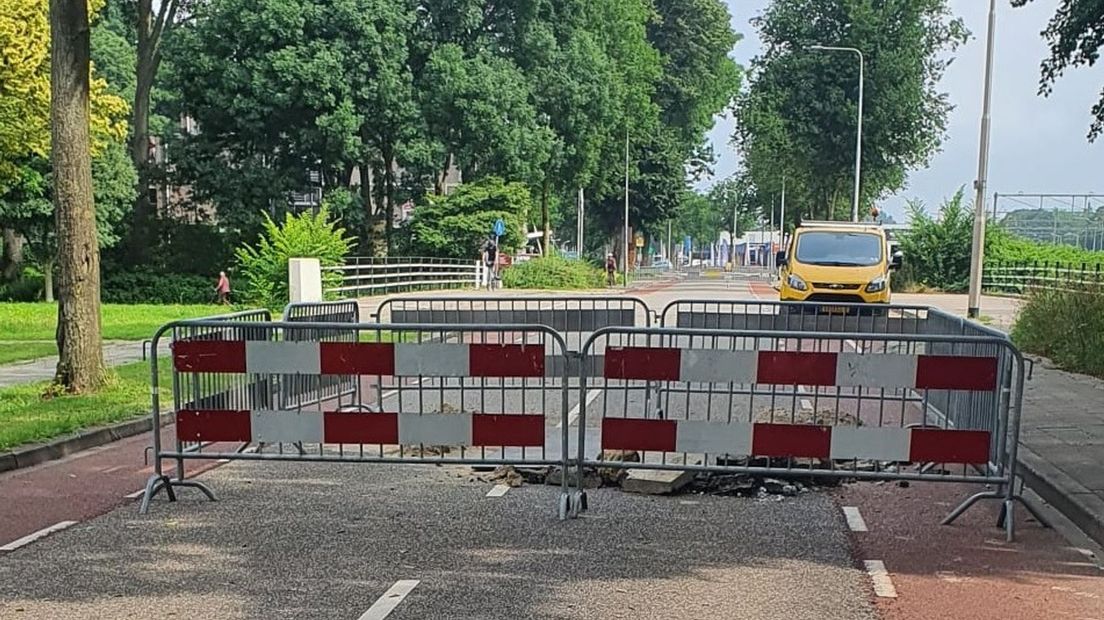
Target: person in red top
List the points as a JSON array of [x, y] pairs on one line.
[[223, 288]]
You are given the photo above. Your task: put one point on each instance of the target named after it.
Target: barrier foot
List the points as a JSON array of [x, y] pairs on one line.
[[1007, 507], [156, 483], [970, 501], [564, 506]]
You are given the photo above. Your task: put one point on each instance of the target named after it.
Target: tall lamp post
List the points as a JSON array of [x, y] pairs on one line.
[[973, 308], [859, 129]]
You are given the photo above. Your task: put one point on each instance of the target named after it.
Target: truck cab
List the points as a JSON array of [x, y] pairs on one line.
[[837, 262]]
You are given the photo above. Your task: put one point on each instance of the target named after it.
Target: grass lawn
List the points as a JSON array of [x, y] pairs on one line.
[[37, 321], [26, 416], [20, 351]]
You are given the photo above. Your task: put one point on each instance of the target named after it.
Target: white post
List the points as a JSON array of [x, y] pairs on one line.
[[479, 277], [977, 253], [304, 279], [579, 232]]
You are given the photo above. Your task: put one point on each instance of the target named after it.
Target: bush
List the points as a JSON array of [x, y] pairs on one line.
[[455, 226], [1065, 326], [29, 286], [264, 268], [937, 250], [1004, 247], [554, 273], [146, 286]]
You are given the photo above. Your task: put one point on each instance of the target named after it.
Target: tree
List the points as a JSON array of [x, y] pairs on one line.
[[797, 119], [1075, 35], [151, 29], [455, 226], [937, 250], [80, 353], [317, 86]]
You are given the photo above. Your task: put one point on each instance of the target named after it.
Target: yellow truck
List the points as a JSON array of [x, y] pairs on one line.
[[837, 262]]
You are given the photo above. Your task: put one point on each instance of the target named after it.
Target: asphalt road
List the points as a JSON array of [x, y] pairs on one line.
[[325, 541]]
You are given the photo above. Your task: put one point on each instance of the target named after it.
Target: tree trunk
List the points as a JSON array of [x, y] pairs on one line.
[[48, 280], [439, 186], [80, 361], [388, 154], [546, 238], [11, 263], [138, 238]]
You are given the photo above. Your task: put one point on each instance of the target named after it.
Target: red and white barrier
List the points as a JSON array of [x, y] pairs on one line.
[[920, 372], [429, 359], [331, 427], [906, 445]]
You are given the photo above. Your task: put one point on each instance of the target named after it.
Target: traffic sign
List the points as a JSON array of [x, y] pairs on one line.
[[640, 241], [499, 228]]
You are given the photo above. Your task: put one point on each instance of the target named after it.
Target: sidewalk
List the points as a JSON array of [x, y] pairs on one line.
[[42, 369], [1062, 445]]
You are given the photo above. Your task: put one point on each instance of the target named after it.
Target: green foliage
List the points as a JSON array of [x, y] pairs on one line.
[[937, 249], [554, 273], [457, 225], [38, 321], [1003, 246], [144, 286], [264, 267], [1075, 39], [798, 118], [1066, 326], [27, 287]]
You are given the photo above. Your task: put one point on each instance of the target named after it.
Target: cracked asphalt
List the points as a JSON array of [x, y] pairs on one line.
[[292, 540]]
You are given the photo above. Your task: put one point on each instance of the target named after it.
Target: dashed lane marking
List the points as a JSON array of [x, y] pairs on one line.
[[498, 490], [854, 519], [573, 414], [387, 603], [883, 585], [30, 538]]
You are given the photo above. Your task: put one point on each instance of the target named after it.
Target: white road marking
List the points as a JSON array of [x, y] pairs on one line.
[[135, 495], [111, 469], [387, 603], [573, 414], [43, 533], [883, 585], [387, 395], [498, 490], [806, 404], [854, 519]]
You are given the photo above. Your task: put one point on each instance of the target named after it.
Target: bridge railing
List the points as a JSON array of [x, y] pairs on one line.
[[367, 276]]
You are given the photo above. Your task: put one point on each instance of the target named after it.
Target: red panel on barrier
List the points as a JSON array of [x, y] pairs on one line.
[[936, 445], [953, 372], [644, 363], [368, 428], [796, 368], [505, 360], [224, 356], [798, 440], [358, 358], [635, 434], [213, 425], [516, 431]]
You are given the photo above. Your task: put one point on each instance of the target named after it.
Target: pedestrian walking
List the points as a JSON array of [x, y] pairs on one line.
[[611, 270], [490, 260], [223, 289]]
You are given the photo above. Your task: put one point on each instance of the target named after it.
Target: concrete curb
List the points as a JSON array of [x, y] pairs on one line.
[[1078, 503], [60, 448]]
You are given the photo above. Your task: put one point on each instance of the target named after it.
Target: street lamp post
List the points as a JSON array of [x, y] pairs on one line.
[[859, 129], [973, 308]]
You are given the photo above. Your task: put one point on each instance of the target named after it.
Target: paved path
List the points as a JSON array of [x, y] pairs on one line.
[[42, 369]]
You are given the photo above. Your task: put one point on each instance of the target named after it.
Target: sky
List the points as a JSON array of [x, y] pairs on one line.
[[1039, 145]]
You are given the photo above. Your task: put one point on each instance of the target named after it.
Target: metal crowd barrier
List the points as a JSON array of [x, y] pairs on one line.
[[794, 316], [314, 389], [574, 318], [430, 394], [807, 404]]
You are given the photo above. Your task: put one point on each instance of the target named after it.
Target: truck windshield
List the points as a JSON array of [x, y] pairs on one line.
[[844, 249]]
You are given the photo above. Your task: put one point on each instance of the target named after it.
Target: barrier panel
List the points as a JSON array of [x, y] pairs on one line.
[[314, 389], [807, 404], [794, 316], [436, 394], [575, 318]]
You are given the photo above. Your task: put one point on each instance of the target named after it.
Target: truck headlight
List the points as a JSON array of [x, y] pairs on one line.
[[797, 283], [876, 285]]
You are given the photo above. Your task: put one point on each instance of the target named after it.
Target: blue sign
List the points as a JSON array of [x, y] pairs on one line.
[[686, 245], [499, 228]]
